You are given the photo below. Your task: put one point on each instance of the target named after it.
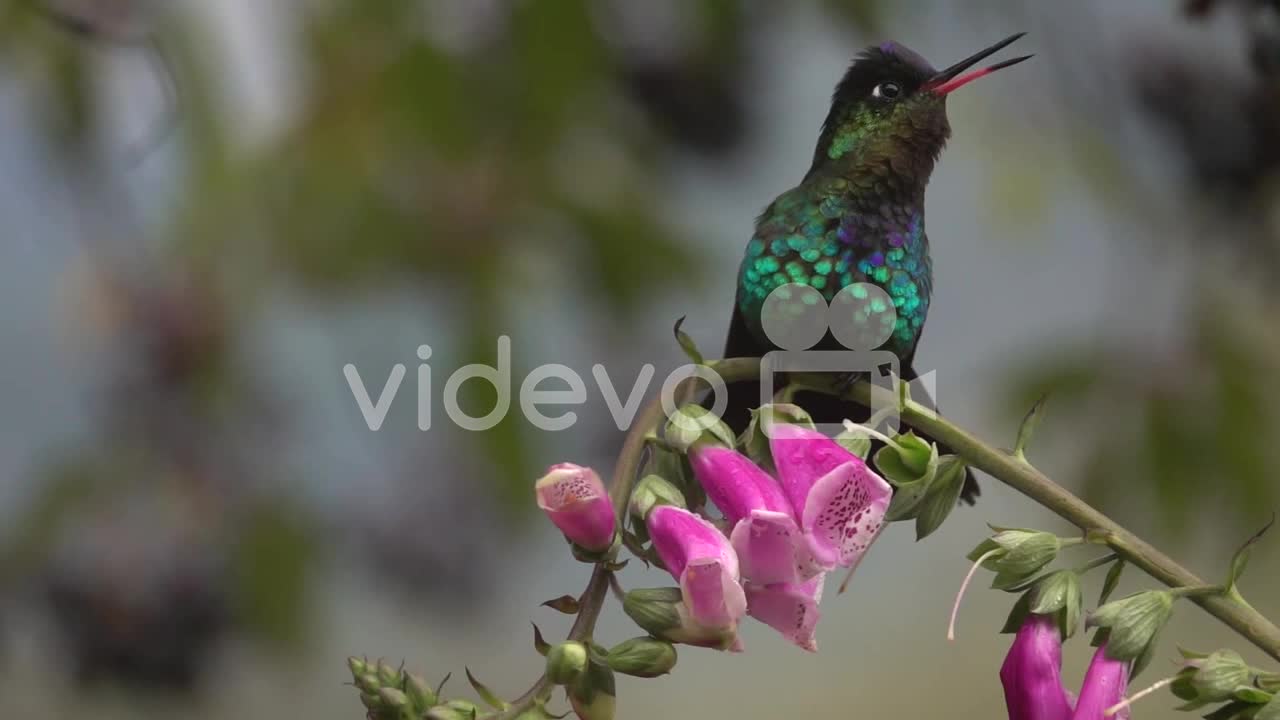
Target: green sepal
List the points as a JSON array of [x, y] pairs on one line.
[[419, 692], [490, 698], [1017, 615], [941, 497], [1217, 676], [910, 487], [1270, 711], [1112, 580], [855, 440], [692, 424], [1133, 623], [687, 344], [594, 695], [1059, 594], [387, 675], [1251, 694], [755, 439], [1241, 557], [649, 493]]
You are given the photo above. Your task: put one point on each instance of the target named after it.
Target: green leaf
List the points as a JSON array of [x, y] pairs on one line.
[[485, 693], [941, 497], [1241, 557], [566, 604], [686, 343], [1112, 579]]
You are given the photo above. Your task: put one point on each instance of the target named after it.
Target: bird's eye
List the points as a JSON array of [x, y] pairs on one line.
[[886, 90]]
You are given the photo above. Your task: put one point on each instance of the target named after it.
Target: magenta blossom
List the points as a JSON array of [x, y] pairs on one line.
[[1032, 678], [575, 499], [824, 509], [1104, 684], [791, 609], [1032, 673], [700, 557]]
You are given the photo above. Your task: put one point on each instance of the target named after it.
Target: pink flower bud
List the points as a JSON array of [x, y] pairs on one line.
[[1104, 684], [575, 499], [1032, 673]]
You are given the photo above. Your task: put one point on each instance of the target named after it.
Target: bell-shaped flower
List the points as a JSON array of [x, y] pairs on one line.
[[700, 557], [824, 509], [789, 608], [1103, 688], [1032, 678], [1032, 672], [839, 502], [574, 498]]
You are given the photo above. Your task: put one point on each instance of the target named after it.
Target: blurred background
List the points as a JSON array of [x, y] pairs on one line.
[[211, 207]]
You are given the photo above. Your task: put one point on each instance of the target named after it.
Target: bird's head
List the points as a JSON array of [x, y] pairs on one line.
[[889, 112]]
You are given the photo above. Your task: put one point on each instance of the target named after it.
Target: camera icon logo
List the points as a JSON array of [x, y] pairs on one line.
[[861, 317]]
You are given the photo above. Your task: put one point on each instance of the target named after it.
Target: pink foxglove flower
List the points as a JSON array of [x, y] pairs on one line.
[[574, 498], [1032, 672], [1032, 678], [791, 609], [700, 557], [1104, 684], [823, 511]]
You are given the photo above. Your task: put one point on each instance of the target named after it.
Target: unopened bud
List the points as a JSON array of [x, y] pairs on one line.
[[566, 662], [420, 693], [643, 657], [358, 666], [393, 698], [651, 492], [655, 610], [453, 710], [690, 425], [1218, 676], [387, 675], [368, 683], [370, 700]]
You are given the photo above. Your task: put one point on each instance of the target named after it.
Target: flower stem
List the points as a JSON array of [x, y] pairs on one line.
[[624, 479], [1026, 479]]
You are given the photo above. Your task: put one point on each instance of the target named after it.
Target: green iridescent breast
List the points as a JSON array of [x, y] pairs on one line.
[[821, 236]]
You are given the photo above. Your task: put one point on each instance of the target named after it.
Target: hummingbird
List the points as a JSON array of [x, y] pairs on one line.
[[857, 217]]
